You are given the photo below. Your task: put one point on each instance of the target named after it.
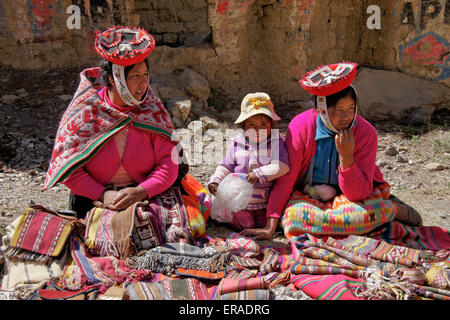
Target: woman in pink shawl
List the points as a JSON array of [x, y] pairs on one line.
[[115, 147]]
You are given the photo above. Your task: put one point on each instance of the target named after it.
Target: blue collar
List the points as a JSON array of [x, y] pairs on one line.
[[323, 132]]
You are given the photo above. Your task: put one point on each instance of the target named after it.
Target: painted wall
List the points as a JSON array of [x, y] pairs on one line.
[[238, 45]]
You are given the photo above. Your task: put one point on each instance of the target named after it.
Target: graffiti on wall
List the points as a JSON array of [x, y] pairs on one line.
[[41, 11], [419, 14], [222, 7], [427, 49]]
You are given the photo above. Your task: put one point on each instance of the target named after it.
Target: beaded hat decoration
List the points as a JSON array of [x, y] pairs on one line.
[[327, 80], [124, 46]]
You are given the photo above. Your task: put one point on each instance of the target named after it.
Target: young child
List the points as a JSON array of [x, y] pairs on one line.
[[258, 153]]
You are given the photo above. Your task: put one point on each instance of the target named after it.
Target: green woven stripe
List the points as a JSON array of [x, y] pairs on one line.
[[154, 129]]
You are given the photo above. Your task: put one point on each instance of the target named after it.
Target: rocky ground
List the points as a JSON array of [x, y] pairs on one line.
[[414, 159]]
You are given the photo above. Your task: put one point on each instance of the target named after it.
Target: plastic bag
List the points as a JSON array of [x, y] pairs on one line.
[[233, 194]]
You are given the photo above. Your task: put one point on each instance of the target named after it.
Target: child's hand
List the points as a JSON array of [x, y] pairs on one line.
[[212, 187], [252, 177]]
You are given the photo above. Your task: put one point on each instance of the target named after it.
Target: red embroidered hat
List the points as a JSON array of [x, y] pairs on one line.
[[124, 46], [329, 79]]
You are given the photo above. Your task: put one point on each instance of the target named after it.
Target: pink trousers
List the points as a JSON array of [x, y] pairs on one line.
[[247, 219]]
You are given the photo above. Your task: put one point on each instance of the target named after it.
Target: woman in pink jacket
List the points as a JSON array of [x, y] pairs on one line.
[[334, 186], [115, 146]]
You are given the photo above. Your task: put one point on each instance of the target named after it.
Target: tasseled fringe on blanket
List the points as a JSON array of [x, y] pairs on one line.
[[18, 254], [167, 263], [24, 291], [379, 287], [286, 293]]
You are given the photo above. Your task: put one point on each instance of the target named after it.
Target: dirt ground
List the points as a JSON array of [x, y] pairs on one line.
[[416, 166]]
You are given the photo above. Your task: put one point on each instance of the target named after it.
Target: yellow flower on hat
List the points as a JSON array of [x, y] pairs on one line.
[[260, 102], [256, 103]]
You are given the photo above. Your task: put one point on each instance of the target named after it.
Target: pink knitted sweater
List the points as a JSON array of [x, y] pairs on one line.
[[355, 182]]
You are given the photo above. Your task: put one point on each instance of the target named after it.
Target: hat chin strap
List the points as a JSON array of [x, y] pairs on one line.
[[323, 112], [122, 88]]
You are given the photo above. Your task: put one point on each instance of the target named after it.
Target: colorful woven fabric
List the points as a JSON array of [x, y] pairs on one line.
[[396, 254], [437, 277], [245, 262], [395, 232], [241, 274], [98, 233], [357, 244], [109, 233], [182, 258], [416, 276], [327, 256], [39, 236], [197, 203], [242, 246], [168, 289], [328, 287], [200, 274], [433, 293], [84, 271], [257, 294], [278, 279], [270, 261], [340, 216], [139, 227], [170, 208], [347, 255], [227, 285]]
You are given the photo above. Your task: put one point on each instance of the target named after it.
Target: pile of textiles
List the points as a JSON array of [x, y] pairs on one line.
[[53, 258]]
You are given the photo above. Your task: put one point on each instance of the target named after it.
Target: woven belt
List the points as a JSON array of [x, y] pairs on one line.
[[119, 187]]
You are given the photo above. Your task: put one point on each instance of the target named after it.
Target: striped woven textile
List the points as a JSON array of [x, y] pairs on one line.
[[227, 285], [197, 202], [270, 261], [327, 256], [347, 255], [396, 254], [85, 271], [425, 237], [168, 289], [328, 287], [246, 262], [340, 216], [433, 293], [39, 236], [274, 279], [256, 294], [241, 274]]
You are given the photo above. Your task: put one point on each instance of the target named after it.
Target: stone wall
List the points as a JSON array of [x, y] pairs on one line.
[[238, 46]]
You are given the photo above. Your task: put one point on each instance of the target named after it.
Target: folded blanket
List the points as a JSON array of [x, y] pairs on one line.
[[173, 258], [40, 235], [233, 285], [168, 289]]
